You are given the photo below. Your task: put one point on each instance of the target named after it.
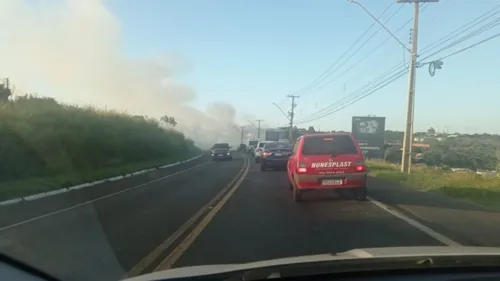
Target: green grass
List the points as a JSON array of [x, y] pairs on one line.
[[45, 145], [465, 186]]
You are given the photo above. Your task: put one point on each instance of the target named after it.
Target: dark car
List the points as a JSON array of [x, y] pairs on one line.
[[221, 151], [275, 155]]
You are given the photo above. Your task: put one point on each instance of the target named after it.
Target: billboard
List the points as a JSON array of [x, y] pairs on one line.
[[275, 134], [369, 132]]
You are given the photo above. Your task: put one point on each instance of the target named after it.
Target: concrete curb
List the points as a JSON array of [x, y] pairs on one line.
[[83, 185]]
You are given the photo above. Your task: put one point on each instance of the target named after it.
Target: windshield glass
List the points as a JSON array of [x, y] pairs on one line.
[[220, 145], [325, 145], [272, 145], [123, 124]]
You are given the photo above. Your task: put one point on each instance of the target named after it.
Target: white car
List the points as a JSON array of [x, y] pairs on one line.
[[258, 150], [251, 145]]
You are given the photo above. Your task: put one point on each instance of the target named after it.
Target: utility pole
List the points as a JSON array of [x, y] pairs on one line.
[[258, 127], [290, 130], [410, 105], [242, 133]]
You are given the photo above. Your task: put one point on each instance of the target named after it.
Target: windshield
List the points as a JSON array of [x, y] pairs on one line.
[[329, 145], [220, 145], [123, 124], [272, 145]]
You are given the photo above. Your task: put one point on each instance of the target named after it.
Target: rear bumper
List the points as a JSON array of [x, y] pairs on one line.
[[314, 181], [225, 156], [274, 162]]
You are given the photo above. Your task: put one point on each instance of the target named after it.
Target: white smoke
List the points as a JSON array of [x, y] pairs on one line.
[[71, 50]]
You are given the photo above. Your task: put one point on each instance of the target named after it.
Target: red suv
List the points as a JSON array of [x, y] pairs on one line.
[[325, 161]]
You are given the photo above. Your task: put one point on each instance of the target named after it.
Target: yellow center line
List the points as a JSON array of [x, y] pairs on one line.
[[177, 253], [169, 241]]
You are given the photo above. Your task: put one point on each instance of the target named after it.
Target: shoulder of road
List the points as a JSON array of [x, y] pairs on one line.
[[459, 220], [25, 209]]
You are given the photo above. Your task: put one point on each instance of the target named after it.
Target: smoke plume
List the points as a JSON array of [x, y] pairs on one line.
[[71, 50]]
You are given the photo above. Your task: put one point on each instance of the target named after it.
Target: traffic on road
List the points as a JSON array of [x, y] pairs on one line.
[[246, 141], [201, 212]]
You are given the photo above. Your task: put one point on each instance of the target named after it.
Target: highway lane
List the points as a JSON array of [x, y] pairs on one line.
[[260, 221], [106, 238], [254, 219], [19, 212]]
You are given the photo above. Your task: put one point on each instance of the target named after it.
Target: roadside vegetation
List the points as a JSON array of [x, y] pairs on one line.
[[45, 145], [471, 187]]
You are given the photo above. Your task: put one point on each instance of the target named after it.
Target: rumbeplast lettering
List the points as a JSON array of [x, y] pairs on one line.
[[343, 164]]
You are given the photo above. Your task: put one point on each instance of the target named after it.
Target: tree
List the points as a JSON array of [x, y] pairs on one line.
[[464, 152], [311, 130], [431, 131], [169, 120], [5, 93]]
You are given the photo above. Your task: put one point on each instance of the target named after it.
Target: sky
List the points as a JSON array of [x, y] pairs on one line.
[[229, 61]]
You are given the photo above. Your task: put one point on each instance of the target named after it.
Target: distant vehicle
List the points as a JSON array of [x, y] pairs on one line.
[[258, 150], [275, 155], [327, 161], [221, 151], [284, 141], [251, 145], [242, 147]]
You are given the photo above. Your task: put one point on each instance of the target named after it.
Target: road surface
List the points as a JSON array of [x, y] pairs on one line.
[[205, 212]]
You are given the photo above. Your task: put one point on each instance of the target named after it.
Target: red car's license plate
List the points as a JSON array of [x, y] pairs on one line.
[[332, 182]]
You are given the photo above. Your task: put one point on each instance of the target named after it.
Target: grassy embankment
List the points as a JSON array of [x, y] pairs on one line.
[[465, 186], [45, 145]]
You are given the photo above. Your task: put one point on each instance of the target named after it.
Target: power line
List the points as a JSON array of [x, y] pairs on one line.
[[359, 97], [395, 68], [460, 30], [321, 77], [471, 46], [282, 111], [435, 44], [354, 53], [365, 57], [374, 49], [365, 88], [474, 33]]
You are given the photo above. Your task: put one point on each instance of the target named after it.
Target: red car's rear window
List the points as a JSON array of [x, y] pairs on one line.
[[324, 145]]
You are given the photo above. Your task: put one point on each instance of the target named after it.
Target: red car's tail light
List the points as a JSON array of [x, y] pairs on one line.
[[360, 166], [301, 167]]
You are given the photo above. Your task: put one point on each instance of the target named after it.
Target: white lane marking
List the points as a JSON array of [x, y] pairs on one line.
[[439, 237], [97, 199]]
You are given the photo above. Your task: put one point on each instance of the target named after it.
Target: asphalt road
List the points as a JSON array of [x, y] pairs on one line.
[[105, 232]]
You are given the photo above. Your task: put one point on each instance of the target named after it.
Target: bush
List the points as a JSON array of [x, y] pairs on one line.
[[42, 138], [465, 186]]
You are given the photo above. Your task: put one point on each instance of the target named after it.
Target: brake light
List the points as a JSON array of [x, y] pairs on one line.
[[301, 167], [360, 166], [266, 153]]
